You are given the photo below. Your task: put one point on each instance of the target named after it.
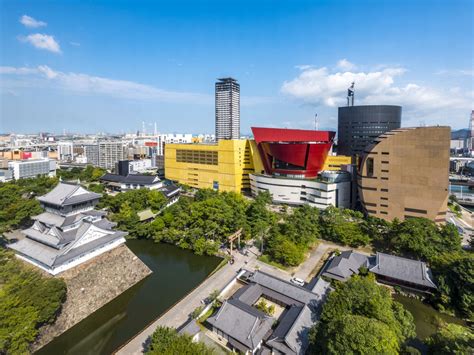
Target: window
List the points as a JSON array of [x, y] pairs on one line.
[[370, 167], [196, 156], [384, 190], [414, 210]]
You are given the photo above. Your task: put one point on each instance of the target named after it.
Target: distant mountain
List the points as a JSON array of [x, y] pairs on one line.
[[460, 134]]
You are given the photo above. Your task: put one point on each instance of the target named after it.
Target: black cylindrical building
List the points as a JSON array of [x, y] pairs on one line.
[[358, 126]]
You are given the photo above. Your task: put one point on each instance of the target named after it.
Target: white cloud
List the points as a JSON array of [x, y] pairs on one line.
[[75, 44], [18, 71], [30, 22], [323, 87], [42, 41], [344, 64], [458, 72], [45, 77]]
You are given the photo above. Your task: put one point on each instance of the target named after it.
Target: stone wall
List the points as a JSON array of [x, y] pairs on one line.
[[92, 285]]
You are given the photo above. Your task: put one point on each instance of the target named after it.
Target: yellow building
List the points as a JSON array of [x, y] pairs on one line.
[[334, 162], [224, 166]]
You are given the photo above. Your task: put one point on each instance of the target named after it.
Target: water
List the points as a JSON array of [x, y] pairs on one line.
[[175, 273], [426, 319]]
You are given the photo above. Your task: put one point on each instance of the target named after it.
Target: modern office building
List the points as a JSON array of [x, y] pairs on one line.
[[293, 161], [30, 168], [66, 151], [223, 166], [69, 232], [359, 126], [227, 109], [405, 173], [110, 152]]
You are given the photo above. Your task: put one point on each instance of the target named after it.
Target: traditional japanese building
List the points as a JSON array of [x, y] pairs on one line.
[[69, 232]]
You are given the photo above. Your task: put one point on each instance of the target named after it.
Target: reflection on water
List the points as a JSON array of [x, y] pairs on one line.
[[426, 318], [175, 273]]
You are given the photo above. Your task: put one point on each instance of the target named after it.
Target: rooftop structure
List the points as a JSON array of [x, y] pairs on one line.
[[343, 266], [293, 152], [359, 126], [402, 271], [131, 181], [293, 162], [69, 232], [248, 329], [391, 269]]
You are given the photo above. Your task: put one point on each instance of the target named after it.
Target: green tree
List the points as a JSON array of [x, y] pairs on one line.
[[343, 226], [354, 334], [126, 217], [421, 238], [166, 341], [27, 300], [451, 339], [368, 303]]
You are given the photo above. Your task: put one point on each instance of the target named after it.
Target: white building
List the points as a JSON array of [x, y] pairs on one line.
[[168, 138], [227, 109], [140, 166], [69, 232], [65, 151], [22, 169], [110, 152], [332, 189]]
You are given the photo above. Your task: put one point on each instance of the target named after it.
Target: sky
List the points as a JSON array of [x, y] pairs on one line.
[[107, 66]]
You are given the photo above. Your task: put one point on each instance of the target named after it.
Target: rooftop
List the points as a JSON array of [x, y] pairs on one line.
[[343, 266], [139, 179], [68, 194], [399, 268]]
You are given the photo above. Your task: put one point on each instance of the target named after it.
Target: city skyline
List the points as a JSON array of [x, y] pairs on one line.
[[106, 67]]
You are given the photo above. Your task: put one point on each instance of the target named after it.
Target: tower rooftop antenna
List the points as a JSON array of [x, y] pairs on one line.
[[350, 95]]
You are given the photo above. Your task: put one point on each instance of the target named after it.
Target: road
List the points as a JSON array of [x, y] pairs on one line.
[[179, 314]]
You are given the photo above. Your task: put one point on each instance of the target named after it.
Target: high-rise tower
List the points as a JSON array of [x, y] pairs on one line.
[[227, 109]]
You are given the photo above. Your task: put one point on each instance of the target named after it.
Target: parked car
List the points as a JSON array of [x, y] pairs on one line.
[[297, 281]]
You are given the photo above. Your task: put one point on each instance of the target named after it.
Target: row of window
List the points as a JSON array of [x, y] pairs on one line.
[[197, 156]]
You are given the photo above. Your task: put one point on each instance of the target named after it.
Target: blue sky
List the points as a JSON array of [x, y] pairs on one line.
[[106, 66]]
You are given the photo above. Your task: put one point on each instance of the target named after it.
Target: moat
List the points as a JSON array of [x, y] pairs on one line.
[[175, 273]]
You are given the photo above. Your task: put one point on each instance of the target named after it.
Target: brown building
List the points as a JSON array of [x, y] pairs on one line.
[[405, 174]]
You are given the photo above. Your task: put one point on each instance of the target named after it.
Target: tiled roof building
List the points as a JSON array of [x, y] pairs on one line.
[[69, 232]]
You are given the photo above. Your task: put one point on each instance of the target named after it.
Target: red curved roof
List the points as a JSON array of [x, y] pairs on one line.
[[293, 151], [291, 135]]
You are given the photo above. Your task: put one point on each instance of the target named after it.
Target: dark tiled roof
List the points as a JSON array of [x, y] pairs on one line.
[[242, 322], [403, 269], [131, 179], [343, 266]]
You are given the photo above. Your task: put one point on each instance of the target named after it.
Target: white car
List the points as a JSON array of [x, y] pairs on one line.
[[297, 281]]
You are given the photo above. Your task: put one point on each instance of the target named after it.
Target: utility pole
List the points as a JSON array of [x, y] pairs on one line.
[[316, 122]]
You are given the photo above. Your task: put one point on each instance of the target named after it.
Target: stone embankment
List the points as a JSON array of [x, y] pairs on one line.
[[92, 285]]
